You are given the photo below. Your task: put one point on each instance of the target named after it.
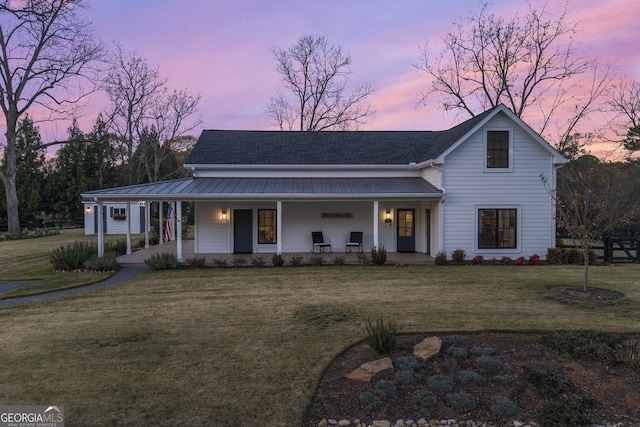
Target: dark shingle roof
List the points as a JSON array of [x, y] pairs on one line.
[[238, 147]]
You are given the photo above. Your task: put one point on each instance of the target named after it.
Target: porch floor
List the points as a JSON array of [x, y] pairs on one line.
[[137, 257]]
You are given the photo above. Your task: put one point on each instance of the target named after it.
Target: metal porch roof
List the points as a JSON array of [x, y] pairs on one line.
[[269, 188]]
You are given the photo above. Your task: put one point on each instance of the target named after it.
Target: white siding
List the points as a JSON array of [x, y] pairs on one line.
[[114, 226], [468, 187]]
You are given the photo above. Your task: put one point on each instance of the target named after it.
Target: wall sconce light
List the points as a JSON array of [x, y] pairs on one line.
[[87, 209], [387, 218], [224, 215]]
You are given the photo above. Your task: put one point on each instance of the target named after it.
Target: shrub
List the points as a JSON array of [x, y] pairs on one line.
[[220, 262], [559, 241], [574, 257], [162, 261], [482, 351], [277, 260], [468, 377], [317, 260], [119, 247], [385, 389], [554, 256], [408, 378], [457, 352], [503, 406], [441, 258], [238, 261], [7, 236], [458, 257], [521, 260], [477, 260], [296, 260], [72, 256], [338, 260], [441, 383], [407, 363], [505, 260], [593, 257], [381, 336], [107, 262], [370, 400], [508, 380], [196, 262], [456, 339], [426, 399], [493, 261], [562, 414], [489, 363], [257, 261], [379, 256], [364, 258], [462, 401], [534, 259]]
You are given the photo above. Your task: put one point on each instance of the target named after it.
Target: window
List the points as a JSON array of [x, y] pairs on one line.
[[267, 230], [498, 149], [497, 228], [118, 213]]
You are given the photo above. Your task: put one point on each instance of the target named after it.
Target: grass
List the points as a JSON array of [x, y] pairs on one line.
[[248, 346]]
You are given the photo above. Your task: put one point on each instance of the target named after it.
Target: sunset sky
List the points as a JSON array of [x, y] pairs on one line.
[[222, 48]]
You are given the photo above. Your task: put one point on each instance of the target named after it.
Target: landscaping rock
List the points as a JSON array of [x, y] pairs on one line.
[[427, 348], [368, 370]]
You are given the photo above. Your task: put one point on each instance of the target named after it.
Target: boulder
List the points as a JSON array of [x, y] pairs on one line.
[[427, 348], [368, 370]]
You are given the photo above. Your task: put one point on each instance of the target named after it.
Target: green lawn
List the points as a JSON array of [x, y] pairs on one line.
[[246, 346]]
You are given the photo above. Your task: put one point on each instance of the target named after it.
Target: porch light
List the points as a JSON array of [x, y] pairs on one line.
[[224, 215], [87, 209], [388, 217]]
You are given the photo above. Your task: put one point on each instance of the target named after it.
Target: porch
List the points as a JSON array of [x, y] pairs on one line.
[[136, 258]]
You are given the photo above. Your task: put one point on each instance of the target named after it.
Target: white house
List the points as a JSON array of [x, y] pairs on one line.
[[116, 216], [475, 187]]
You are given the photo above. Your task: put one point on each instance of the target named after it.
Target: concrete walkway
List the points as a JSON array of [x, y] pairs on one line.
[[123, 275]]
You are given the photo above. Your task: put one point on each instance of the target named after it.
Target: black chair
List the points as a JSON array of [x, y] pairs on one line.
[[354, 240], [319, 242]]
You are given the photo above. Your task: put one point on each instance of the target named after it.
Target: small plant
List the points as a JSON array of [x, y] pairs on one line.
[[7, 236], [408, 378], [458, 257], [521, 260], [574, 257], [277, 260], [220, 262], [477, 260], [196, 262], [238, 261], [379, 256], [381, 336], [441, 383], [489, 363], [505, 260], [462, 401], [508, 380], [107, 262], [72, 256], [468, 377], [554, 256], [492, 261], [457, 352], [364, 258], [425, 399], [503, 406], [162, 261], [456, 339], [316, 261], [370, 400], [338, 260], [482, 351], [385, 389], [534, 259], [296, 260], [441, 258], [257, 261], [407, 363]]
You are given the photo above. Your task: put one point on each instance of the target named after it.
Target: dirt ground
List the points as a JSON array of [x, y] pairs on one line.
[[547, 378]]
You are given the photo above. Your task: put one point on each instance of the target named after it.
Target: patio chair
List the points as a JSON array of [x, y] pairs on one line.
[[320, 242], [354, 240]]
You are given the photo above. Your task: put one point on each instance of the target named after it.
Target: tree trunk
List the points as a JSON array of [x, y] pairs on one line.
[[585, 286], [9, 174], [13, 216]]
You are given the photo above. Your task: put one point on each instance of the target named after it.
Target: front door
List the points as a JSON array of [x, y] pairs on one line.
[[406, 230], [242, 231]]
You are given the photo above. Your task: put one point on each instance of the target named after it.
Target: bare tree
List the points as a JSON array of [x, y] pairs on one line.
[[316, 73], [141, 102], [45, 55], [625, 104], [527, 63]]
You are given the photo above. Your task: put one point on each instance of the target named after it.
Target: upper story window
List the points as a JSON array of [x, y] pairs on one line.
[[498, 150]]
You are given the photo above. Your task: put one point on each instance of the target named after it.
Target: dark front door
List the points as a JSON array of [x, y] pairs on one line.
[[242, 231], [406, 230]]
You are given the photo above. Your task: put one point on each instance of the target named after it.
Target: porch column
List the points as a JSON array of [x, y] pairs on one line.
[[147, 222], [375, 224], [178, 230], [128, 214], [160, 229], [279, 226], [173, 221], [100, 230]]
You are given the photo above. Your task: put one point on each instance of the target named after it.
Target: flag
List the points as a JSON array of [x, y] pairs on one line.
[[167, 233]]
